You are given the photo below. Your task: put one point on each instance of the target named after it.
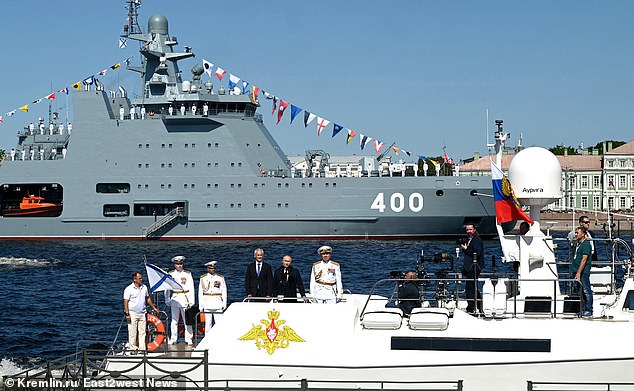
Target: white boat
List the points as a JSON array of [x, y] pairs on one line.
[[529, 335]]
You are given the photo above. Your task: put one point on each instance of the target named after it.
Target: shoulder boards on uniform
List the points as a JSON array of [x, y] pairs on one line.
[[314, 263], [187, 271], [334, 263], [219, 275], [204, 275]]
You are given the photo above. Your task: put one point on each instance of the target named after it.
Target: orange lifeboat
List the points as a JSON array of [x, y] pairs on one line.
[[34, 206]]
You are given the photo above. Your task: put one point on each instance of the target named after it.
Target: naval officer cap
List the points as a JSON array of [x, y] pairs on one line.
[[211, 264], [178, 259], [324, 250]]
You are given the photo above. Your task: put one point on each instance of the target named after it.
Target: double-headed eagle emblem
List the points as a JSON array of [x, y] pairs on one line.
[[271, 335]]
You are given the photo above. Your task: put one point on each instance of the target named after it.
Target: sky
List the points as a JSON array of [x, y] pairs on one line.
[[421, 74]]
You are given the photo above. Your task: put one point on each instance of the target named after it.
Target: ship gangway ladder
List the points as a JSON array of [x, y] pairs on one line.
[[174, 214]]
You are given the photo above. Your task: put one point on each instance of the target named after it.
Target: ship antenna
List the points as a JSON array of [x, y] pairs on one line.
[[133, 26]]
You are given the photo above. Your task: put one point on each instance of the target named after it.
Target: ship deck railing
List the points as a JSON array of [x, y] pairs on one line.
[[148, 371], [579, 386], [560, 301]]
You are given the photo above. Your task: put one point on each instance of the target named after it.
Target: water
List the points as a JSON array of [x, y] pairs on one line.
[[57, 293]]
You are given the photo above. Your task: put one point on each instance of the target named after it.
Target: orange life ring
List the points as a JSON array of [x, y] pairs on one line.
[[158, 334]]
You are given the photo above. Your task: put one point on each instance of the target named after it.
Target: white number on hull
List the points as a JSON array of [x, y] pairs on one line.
[[397, 202]]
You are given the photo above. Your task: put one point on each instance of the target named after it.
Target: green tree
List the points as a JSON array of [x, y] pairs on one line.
[[562, 150]]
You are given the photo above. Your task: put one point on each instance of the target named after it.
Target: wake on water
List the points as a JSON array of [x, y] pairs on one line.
[[12, 263]]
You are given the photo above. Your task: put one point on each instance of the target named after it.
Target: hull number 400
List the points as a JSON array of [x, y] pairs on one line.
[[398, 202]]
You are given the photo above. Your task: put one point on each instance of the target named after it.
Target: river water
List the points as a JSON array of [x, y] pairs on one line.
[[57, 293]]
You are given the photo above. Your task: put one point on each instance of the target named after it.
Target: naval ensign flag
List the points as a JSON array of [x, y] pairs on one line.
[[160, 280]]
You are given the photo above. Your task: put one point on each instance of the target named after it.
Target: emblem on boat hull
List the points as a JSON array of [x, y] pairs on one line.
[[271, 335]]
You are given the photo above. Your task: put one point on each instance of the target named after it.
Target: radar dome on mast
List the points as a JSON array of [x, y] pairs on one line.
[[157, 24], [535, 174]]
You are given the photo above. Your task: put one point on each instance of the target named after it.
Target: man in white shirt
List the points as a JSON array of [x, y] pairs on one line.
[[135, 296]]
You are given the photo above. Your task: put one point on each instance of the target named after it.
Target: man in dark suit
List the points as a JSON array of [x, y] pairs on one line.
[[473, 263], [258, 281], [287, 281]]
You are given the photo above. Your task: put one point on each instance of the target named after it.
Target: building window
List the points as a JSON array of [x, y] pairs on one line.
[[584, 202], [610, 203], [622, 182], [596, 182], [623, 202], [632, 182], [611, 181], [572, 182], [596, 203], [610, 163], [584, 181], [621, 163], [571, 202]]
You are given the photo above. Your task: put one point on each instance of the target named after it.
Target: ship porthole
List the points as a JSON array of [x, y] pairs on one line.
[[440, 193]]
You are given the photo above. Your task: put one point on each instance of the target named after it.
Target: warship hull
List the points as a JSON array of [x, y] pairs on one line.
[[215, 173]]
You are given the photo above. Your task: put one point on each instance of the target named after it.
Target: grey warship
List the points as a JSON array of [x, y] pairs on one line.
[[212, 174]]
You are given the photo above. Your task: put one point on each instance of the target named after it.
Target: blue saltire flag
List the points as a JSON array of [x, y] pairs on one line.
[[160, 280]]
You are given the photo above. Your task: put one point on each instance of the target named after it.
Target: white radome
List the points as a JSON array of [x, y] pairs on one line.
[[535, 174]]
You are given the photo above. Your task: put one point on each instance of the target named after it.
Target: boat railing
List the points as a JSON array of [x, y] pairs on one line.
[[449, 292], [578, 386], [192, 372]]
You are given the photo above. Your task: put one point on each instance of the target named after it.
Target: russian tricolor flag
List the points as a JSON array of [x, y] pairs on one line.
[[506, 206]]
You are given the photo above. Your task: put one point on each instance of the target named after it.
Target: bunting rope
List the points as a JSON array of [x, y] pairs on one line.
[[238, 87], [281, 108], [77, 85]]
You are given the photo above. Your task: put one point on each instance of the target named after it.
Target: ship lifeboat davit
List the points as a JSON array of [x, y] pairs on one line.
[[34, 206]]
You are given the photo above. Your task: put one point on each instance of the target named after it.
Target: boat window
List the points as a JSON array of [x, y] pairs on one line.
[[629, 302], [440, 193], [110, 188], [162, 165], [262, 205], [169, 165], [116, 210], [193, 145], [154, 209], [31, 200]]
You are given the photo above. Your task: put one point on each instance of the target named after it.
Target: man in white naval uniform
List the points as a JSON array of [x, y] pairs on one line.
[[212, 295], [179, 301], [325, 278]]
